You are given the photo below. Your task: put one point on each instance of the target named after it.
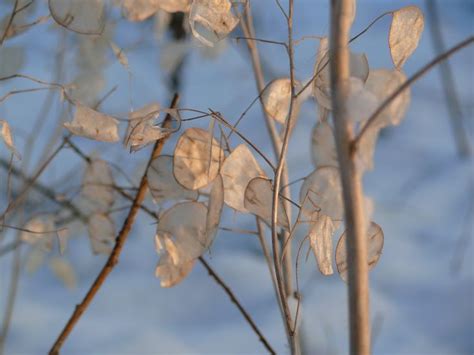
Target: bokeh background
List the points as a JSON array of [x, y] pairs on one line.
[[422, 288]]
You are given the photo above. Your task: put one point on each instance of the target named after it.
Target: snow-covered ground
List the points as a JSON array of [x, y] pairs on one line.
[[423, 196]]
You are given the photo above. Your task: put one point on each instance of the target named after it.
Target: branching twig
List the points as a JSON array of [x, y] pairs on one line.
[[407, 83]]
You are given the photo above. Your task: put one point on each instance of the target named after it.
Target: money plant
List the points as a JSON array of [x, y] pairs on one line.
[[213, 164]]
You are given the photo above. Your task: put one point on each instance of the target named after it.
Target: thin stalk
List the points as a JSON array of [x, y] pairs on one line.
[[358, 283]]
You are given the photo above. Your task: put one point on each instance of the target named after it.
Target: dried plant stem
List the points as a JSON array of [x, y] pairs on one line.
[[468, 41], [286, 271], [447, 79], [358, 283], [119, 243], [234, 300], [9, 23]]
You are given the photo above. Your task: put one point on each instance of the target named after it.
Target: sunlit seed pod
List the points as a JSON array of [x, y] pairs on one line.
[[322, 192], [92, 124], [197, 159], [375, 240], [405, 33], [259, 201], [237, 170]]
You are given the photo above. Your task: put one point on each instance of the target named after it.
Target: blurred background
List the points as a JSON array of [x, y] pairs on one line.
[[422, 288]]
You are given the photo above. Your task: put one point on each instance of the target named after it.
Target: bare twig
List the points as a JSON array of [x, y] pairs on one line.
[[115, 254], [407, 83], [358, 285], [234, 299], [9, 23]]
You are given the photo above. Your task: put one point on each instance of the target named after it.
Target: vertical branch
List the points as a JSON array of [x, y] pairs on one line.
[[358, 283], [248, 30], [447, 80]]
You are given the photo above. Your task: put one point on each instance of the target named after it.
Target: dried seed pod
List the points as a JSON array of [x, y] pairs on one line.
[[98, 186], [171, 274], [405, 33], [359, 68], [197, 159], [184, 225], [162, 183], [276, 99], [258, 200], [101, 233], [237, 170], [323, 146], [93, 124], [211, 20], [141, 130], [322, 192], [382, 83], [320, 238], [63, 271], [375, 240], [6, 135]]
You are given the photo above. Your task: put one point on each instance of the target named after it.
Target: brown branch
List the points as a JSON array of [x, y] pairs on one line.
[[358, 285], [119, 243], [242, 310], [407, 83], [9, 23]]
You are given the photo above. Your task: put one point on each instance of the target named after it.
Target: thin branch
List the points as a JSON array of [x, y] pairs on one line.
[[447, 79], [242, 310], [439, 59], [9, 23], [358, 285], [115, 254]]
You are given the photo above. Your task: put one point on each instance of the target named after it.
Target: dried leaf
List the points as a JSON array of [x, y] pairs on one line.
[[101, 233], [238, 169], [211, 20], [375, 240], [162, 183], [323, 145], [11, 60], [81, 16], [258, 201], [276, 99], [7, 137], [322, 192], [185, 224], [171, 274], [214, 210], [405, 33], [196, 159], [382, 83], [63, 271], [320, 239], [93, 124], [97, 186]]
